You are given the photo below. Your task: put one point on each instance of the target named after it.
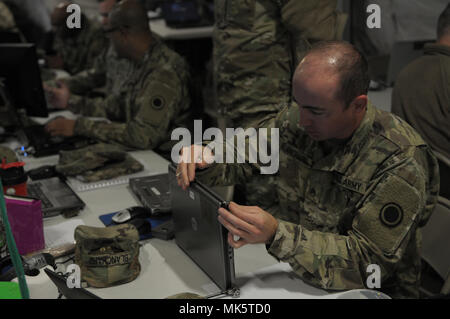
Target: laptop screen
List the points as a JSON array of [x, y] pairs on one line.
[[198, 232]]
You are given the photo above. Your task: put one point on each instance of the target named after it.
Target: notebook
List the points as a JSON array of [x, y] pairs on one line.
[[25, 218], [80, 186], [55, 195], [198, 232]]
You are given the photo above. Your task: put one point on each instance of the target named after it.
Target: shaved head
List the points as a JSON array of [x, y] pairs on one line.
[[336, 62], [330, 87]]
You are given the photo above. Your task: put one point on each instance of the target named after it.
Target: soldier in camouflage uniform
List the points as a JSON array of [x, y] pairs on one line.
[[77, 48], [257, 44], [143, 114], [109, 73], [355, 183]]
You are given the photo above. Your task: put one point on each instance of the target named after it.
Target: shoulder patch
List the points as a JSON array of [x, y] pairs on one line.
[[158, 102], [391, 214]]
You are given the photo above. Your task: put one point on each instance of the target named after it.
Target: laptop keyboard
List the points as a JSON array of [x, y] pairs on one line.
[[45, 145], [37, 135], [35, 190]]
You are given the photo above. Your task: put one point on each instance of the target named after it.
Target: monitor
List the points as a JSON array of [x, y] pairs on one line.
[[20, 70]]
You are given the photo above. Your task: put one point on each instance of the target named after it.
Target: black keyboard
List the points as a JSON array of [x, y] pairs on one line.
[[34, 190], [45, 145]]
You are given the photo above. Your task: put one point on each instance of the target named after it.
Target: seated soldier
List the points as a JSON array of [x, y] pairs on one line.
[[421, 96], [354, 187], [75, 48], [109, 73], [143, 114]]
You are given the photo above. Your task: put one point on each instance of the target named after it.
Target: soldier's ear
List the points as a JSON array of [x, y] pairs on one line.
[[359, 103]]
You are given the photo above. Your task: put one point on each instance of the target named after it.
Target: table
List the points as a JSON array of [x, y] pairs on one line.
[[160, 27], [165, 269]]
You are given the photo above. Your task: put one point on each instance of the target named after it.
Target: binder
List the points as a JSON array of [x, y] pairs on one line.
[[25, 218]]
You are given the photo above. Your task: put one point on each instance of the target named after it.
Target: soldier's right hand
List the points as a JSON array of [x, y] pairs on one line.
[[59, 96], [191, 158]]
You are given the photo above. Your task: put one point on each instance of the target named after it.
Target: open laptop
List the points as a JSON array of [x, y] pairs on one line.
[[55, 195], [153, 192], [198, 232], [46, 145], [70, 293], [23, 90]]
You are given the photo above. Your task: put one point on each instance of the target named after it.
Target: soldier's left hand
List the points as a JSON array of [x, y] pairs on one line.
[[250, 223], [61, 127]]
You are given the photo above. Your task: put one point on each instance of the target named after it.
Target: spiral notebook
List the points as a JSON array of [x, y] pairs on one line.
[[79, 186]]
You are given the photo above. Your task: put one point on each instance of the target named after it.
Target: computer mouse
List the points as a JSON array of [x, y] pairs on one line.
[[125, 215], [42, 172], [143, 226]]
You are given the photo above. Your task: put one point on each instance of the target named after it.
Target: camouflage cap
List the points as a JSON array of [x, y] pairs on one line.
[[186, 295], [97, 162], [107, 256]]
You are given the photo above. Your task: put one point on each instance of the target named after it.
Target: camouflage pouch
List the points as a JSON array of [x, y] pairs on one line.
[[97, 162], [8, 154], [107, 256]]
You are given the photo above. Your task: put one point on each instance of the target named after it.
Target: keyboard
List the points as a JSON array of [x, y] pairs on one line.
[[35, 190], [45, 145]]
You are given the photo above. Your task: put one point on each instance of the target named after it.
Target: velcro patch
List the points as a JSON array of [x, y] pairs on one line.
[[388, 213], [391, 215], [158, 102]]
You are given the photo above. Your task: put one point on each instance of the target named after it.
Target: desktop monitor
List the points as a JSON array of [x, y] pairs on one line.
[[20, 70]]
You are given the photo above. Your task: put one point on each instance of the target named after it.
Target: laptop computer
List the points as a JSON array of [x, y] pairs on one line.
[[153, 192], [70, 293], [55, 195], [45, 145], [198, 232]]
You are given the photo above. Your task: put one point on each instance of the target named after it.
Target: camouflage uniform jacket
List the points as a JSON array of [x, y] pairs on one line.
[[361, 203], [109, 72], [148, 108], [7, 21], [79, 52], [255, 48]]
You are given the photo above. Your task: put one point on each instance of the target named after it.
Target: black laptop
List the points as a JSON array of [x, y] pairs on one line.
[[153, 192], [46, 145], [198, 232], [55, 195]]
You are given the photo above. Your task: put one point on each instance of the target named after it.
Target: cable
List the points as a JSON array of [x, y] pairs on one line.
[[15, 257]]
